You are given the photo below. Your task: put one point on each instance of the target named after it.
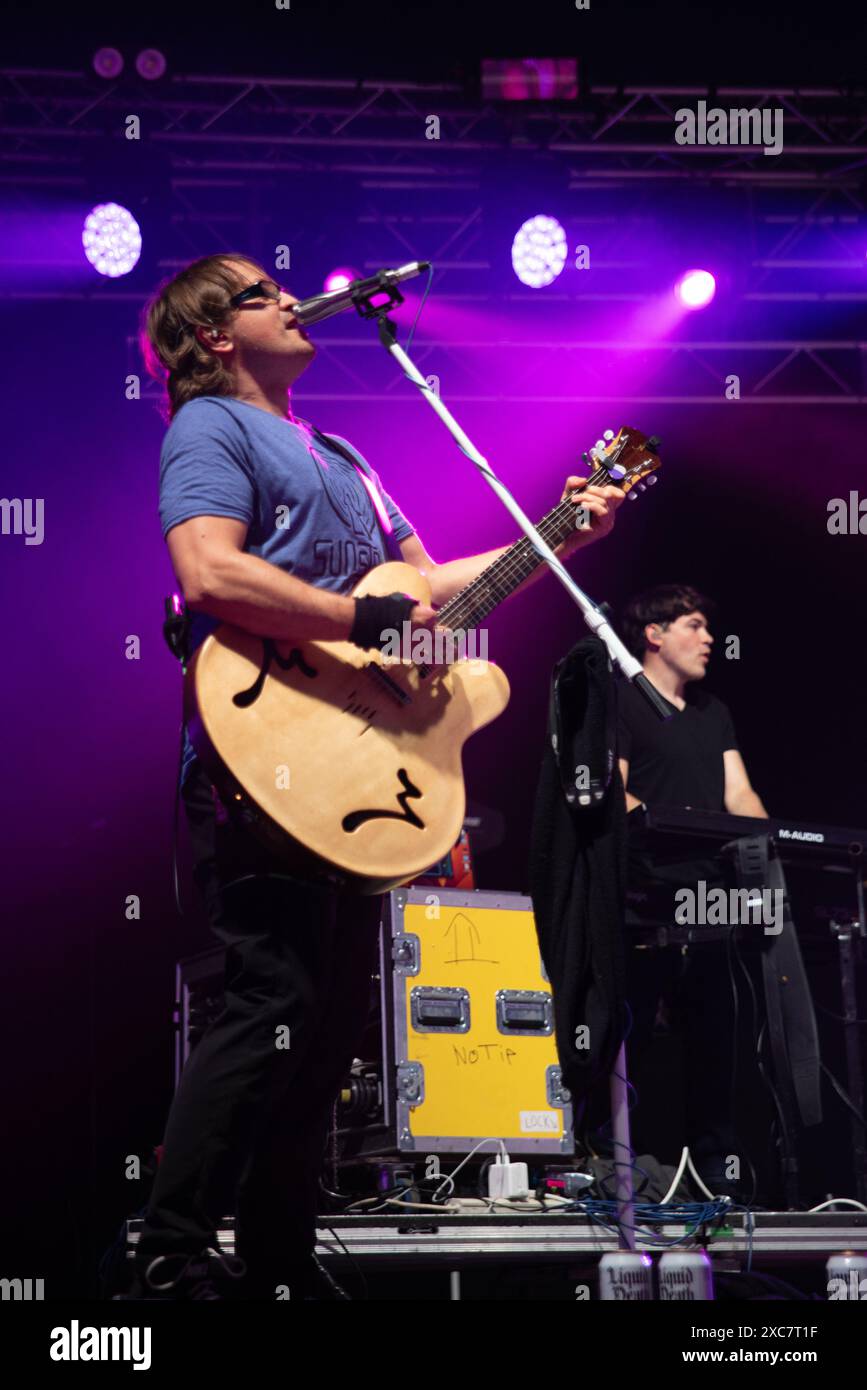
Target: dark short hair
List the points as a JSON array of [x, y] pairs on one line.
[[663, 604]]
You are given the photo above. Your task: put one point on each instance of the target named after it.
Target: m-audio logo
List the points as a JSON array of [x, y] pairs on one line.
[[811, 836], [24, 1290]]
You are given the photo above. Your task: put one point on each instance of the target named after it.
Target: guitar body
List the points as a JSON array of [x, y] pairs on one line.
[[346, 763]]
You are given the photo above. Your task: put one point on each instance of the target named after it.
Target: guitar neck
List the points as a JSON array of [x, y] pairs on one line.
[[479, 598]]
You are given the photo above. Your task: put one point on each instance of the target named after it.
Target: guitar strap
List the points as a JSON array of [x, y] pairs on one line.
[[392, 549]]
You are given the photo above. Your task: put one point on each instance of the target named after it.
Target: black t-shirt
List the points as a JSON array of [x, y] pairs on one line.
[[674, 762], [678, 761]]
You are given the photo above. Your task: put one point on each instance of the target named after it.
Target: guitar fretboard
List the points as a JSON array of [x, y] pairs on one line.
[[480, 597]]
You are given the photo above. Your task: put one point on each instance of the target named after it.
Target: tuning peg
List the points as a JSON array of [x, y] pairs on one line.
[[608, 435], [630, 496], [585, 457], [600, 445], [652, 478]]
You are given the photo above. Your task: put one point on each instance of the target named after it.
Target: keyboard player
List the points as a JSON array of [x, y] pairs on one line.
[[691, 760]]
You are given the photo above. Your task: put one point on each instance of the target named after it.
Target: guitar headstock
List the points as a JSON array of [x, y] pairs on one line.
[[629, 458]]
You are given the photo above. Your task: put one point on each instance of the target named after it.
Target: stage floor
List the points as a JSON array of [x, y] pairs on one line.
[[473, 1238]]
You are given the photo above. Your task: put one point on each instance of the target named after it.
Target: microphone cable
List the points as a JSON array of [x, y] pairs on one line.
[[420, 307]]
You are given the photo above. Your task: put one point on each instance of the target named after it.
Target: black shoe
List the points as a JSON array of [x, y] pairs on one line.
[[181, 1278]]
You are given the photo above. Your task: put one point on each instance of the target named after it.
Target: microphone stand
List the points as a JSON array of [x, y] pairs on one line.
[[631, 668], [597, 622]]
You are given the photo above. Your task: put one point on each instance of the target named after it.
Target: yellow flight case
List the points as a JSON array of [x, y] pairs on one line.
[[472, 1027]]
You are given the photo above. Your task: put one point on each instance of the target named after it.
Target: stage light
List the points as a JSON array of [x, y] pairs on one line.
[[539, 251], [108, 62], [150, 64], [696, 289], [341, 277], [529, 79], [111, 239]]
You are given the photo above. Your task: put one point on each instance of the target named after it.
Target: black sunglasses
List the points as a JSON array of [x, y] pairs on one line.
[[263, 289]]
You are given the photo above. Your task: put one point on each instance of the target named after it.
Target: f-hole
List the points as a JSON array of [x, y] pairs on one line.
[[245, 698], [407, 814]]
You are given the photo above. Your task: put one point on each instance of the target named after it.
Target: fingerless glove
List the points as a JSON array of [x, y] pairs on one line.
[[376, 614]]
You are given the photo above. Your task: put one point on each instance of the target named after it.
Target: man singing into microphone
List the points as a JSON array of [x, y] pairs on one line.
[[269, 523]]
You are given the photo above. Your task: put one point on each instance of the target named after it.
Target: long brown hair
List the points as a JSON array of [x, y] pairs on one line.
[[197, 296]]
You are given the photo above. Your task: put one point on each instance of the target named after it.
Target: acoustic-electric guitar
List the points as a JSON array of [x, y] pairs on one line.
[[347, 762]]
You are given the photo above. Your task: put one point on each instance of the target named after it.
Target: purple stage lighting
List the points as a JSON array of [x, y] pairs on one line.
[[111, 239], [340, 278], [696, 289], [539, 251], [108, 62], [530, 79]]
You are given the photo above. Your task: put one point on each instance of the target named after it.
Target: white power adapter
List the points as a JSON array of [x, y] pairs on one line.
[[507, 1179]]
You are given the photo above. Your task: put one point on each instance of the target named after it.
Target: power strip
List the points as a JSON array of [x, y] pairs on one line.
[[507, 1179]]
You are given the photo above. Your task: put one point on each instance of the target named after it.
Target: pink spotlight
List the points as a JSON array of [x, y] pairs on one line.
[[340, 278], [696, 289]]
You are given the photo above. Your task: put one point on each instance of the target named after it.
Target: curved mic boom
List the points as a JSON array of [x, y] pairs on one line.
[[322, 306]]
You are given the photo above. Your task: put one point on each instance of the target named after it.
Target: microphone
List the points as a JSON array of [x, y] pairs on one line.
[[322, 306]]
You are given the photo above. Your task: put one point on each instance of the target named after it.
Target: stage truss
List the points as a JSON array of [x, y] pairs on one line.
[[220, 158]]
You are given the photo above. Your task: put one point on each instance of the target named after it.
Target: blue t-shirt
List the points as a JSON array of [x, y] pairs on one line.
[[310, 510]]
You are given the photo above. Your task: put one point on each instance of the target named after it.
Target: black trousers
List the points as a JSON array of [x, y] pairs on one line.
[[695, 987], [247, 1128]]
